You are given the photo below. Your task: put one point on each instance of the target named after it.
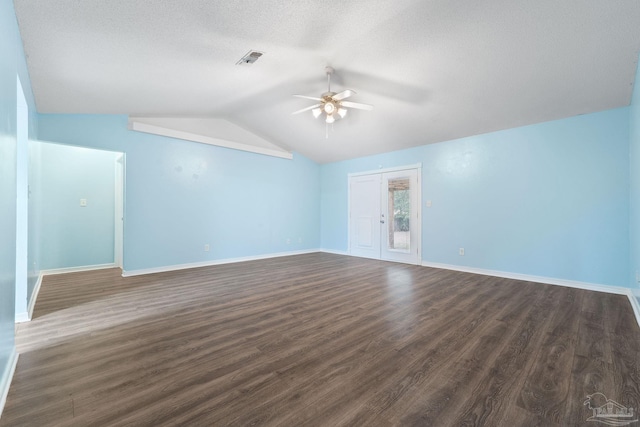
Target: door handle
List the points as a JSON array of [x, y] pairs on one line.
[[382, 221]]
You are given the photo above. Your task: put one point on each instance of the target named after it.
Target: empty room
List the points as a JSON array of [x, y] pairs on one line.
[[381, 213]]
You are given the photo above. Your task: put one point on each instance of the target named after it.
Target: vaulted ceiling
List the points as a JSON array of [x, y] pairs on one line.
[[435, 70]]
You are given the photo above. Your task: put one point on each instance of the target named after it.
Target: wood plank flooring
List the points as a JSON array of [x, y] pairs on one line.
[[319, 340]]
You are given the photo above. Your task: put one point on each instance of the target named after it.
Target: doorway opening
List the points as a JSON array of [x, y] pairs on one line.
[[77, 202]]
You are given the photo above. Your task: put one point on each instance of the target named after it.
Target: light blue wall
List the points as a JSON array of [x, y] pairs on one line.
[[548, 200], [8, 72], [181, 195], [12, 64], [634, 187], [70, 235]]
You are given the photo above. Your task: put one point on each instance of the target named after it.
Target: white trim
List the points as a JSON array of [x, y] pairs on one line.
[[385, 170], [335, 252], [5, 381], [213, 262], [420, 215], [28, 315], [78, 269], [528, 278], [634, 305], [22, 317], [348, 251], [34, 296], [119, 210], [188, 136]]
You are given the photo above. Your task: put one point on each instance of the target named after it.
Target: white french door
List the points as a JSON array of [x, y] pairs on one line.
[[384, 215], [364, 209]]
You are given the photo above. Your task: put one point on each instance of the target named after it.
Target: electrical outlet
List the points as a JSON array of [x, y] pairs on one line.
[[461, 251], [206, 247], [428, 203], [83, 203]]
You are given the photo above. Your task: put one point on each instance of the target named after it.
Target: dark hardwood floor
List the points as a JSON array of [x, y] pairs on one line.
[[319, 340]]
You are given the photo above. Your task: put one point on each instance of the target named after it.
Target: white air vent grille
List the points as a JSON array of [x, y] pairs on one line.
[[251, 57]]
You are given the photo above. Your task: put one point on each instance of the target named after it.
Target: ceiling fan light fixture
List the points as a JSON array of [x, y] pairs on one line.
[[329, 107], [332, 105]]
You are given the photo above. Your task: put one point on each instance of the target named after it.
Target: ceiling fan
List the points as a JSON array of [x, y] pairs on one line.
[[332, 104]]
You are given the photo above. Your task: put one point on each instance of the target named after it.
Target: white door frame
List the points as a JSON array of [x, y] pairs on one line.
[[118, 250], [418, 168], [22, 205]]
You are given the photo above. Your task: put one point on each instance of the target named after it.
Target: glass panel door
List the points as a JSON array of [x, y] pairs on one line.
[[400, 218], [399, 214]]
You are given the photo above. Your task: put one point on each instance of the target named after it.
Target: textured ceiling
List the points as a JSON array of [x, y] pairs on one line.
[[434, 69]]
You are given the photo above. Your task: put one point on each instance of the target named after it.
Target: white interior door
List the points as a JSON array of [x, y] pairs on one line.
[[364, 222], [384, 220]]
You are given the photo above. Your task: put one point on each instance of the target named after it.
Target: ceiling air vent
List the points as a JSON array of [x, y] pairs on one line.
[[251, 57]]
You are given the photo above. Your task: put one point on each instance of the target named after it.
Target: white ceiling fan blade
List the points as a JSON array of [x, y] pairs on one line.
[[308, 97], [307, 109], [343, 95], [357, 105]]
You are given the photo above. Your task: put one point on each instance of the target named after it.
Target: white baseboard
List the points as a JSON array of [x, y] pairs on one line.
[[335, 252], [5, 381], [213, 262], [26, 316], [78, 269], [528, 278], [635, 305], [546, 280], [22, 317], [34, 295]]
